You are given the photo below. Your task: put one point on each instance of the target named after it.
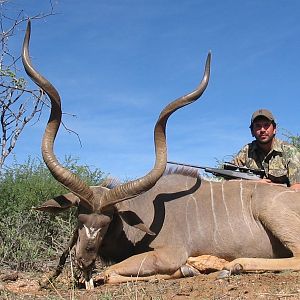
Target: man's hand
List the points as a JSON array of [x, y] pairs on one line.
[[296, 186], [266, 180]]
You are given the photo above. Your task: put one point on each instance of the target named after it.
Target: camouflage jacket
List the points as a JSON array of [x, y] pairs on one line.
[[281, 164]]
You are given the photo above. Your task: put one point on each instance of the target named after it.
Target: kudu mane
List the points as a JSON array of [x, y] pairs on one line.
[[111, 183], [182, 170]]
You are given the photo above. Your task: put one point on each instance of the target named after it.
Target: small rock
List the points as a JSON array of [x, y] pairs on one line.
[[207, 263], [9, 277], [2, 287]]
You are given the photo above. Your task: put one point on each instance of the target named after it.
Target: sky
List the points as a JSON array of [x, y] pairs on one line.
[[117, 64]]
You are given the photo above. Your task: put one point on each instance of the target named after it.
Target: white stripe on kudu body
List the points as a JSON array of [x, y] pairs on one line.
[[216, 233], [226, 209], [245, 213]]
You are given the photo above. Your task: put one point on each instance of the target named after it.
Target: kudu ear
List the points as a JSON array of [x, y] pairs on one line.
[[66, 201], [59, 203], [134, 220]]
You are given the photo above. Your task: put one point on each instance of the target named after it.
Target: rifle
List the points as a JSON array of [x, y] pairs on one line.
[[229, 171]]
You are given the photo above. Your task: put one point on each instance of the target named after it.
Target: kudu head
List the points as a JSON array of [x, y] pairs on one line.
[[96, 205]]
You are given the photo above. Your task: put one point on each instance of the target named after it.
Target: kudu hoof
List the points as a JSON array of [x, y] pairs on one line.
[[237, 269], [223, 274], [189, 271], [232, 268]]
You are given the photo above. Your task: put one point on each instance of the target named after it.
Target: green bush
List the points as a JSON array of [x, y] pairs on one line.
[[293, 139], [28, 237]]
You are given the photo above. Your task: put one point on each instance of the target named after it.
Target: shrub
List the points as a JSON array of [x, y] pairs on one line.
[[293, 139], [28, 237]]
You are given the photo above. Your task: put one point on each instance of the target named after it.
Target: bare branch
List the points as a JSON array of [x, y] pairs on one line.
[[72, 131], [19, 104]]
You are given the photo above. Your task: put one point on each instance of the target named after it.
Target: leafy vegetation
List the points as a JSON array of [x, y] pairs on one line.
[[293, 139], [28, 237]]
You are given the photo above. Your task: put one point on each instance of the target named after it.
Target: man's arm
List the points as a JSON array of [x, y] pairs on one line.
[[295, 186], [240, 158], [292, 155]]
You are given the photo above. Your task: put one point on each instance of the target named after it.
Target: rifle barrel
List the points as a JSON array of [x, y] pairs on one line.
[[187, 165], [226, 173]]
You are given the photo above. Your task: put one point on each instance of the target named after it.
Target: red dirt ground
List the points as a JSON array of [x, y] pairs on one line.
[[283, 285]]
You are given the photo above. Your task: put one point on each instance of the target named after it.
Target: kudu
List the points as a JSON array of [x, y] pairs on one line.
[[151, 225]]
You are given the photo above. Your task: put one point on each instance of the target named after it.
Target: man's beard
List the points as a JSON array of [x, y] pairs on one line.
[[267, 141]]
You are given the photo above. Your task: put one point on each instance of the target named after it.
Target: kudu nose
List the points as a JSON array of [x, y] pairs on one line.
[[84, 263]]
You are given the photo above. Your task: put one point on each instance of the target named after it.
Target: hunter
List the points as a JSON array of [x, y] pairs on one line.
[[279, 160]]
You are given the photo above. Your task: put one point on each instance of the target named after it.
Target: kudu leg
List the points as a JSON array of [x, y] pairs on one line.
[[115, 278], [262, 264], [162, 264]]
